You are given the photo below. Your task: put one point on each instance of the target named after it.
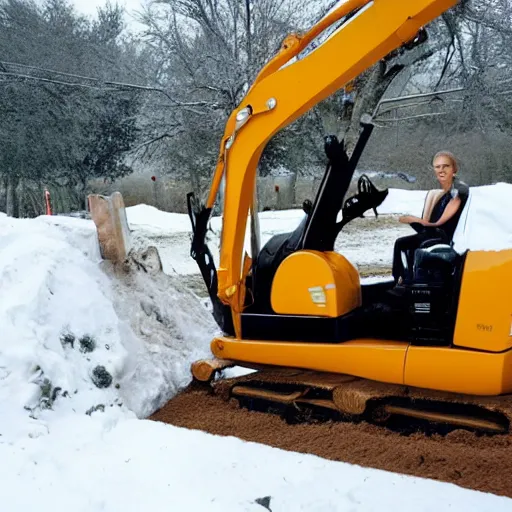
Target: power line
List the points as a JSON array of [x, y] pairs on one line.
[[25, 72]]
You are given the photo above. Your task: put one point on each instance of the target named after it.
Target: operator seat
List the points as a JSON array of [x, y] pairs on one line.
[[437, 237], [430, 294], [267, 262], [435, 264]]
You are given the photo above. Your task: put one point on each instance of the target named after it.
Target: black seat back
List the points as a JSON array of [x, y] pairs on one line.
[[435, 265]]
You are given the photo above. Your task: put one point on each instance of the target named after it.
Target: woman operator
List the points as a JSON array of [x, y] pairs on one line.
[[443, 220]]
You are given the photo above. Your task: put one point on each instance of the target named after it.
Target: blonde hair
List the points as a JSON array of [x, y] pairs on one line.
[[449, 155]]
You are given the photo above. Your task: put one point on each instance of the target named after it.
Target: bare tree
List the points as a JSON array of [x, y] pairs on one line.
[[207, 54]]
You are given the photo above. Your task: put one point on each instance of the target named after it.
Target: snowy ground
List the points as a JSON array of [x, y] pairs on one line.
[[86, 465], [86, 349]]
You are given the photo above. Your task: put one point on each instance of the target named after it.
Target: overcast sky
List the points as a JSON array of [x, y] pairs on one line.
[[88, 7]]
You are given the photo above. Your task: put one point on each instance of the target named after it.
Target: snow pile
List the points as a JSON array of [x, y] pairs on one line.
[[156, 221], [77, 339], [58, 326], [403, 202], [168, 328], [486, 221]]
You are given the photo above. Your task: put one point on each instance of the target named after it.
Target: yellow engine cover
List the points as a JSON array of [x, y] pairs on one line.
[[316, 283], [484, 317]]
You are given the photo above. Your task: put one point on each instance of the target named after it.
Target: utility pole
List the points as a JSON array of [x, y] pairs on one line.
[[248, 31]]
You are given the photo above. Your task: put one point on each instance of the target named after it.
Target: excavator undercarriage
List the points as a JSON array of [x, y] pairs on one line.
[[304, 396]]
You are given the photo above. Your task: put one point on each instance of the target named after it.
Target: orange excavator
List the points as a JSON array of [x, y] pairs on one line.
[[295, 310]]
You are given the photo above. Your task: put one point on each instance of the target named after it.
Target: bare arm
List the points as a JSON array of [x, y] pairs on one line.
[[449, 212]]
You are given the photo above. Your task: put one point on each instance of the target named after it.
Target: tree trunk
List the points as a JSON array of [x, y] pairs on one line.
[[294, 187], [378, 80], [366, 101], [12, 206], [81, 191], [195, 182], [248, 35], [20, 200], [3, 200], [35, 204]]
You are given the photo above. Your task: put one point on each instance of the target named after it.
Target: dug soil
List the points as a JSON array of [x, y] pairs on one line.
[[469, 460]]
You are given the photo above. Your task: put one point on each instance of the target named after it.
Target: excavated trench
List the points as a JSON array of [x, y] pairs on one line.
[[475, 461]]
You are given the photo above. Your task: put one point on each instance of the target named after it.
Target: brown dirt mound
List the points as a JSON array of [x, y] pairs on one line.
[[477, 462]]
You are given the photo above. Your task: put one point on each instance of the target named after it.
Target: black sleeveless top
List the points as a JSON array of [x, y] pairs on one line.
[[458, 189]]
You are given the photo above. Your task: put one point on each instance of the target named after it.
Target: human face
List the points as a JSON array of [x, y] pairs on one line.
[[445, 171]]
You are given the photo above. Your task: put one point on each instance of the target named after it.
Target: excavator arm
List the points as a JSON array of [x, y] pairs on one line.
[[285, 89]]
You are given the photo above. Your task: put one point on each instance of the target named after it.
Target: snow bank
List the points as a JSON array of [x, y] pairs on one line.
[[157, 221], [153, 221], [52, 309], [77, 336], [486, 223], [147, 218]]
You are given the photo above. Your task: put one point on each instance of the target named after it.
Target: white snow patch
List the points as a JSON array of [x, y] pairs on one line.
[[141, 465], [403, 202], [486, 222], [156, 221], [55, 297]]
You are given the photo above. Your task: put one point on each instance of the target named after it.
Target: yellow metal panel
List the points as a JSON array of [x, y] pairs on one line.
[[484, 316], [317, 284], [371, 359], [348, 283], [459, 371]]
